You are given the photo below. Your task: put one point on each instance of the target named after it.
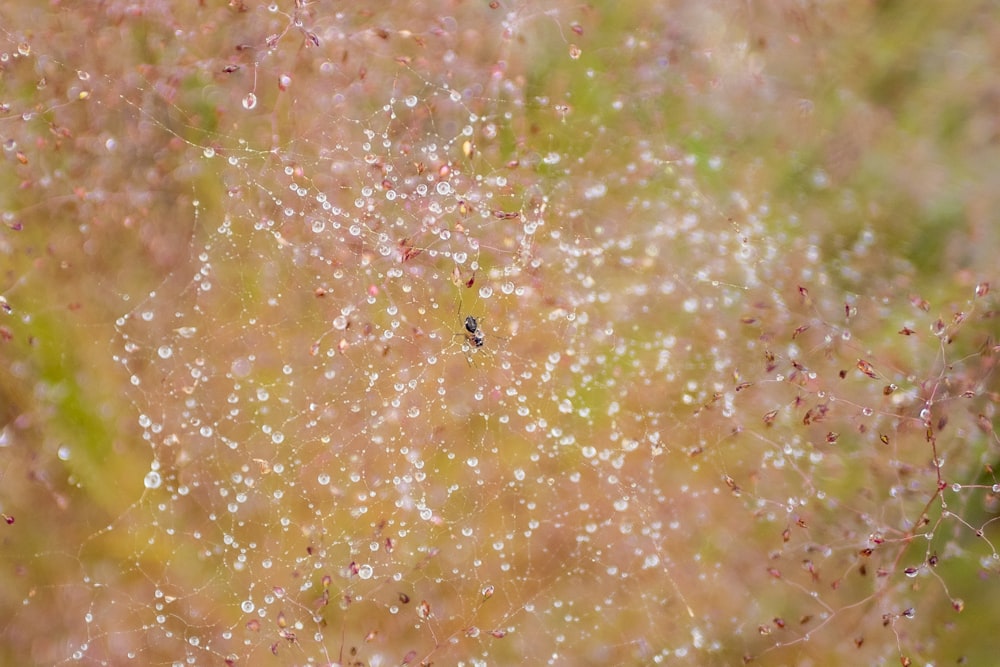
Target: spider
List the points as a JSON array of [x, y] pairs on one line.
[[473, 333], [474, 336]]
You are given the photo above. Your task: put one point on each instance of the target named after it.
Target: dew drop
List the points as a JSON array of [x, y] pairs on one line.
[[152, 480], [250, 101]]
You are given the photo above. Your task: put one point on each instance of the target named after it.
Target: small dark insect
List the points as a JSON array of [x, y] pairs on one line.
[[473, 333]]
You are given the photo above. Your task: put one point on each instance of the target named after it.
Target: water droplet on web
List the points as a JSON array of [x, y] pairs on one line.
[[250, 101], [152, 480]]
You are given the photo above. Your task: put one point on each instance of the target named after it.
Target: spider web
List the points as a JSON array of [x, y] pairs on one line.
[[682, 440]]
